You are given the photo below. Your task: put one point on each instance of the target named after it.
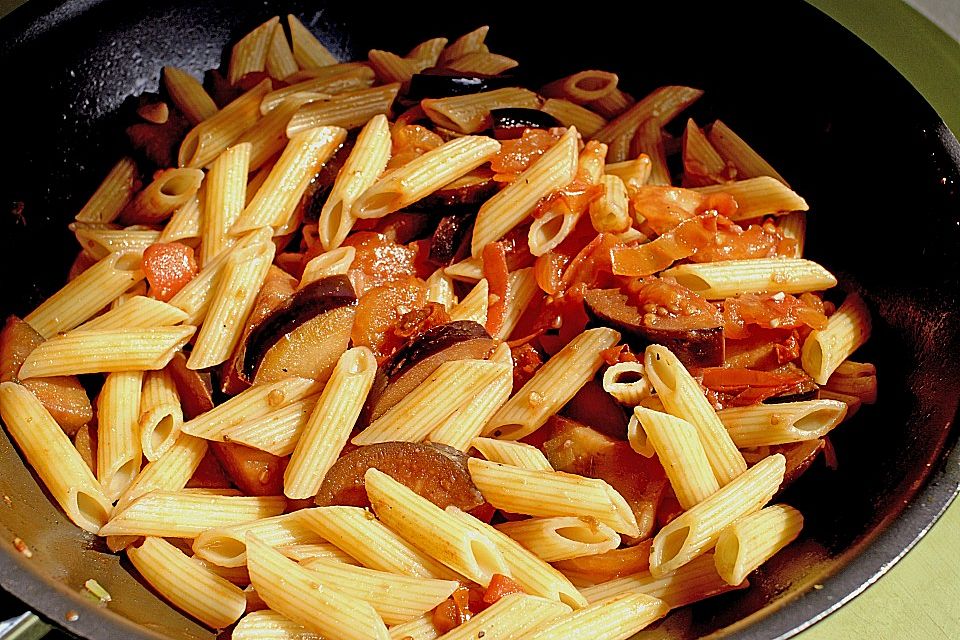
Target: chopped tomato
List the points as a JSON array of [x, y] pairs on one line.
[[457, 609], [663, 208], [495, 271], [592, 263], [732, 242], [583, 189], [380, 259], [416, 322], [516, 247], [609, 565], [526, 361], [500, 585], [169, 266], [484, 512], [738, 387], [409, 141], [771, 311], [684, 240], [667, 305], [617, 354], [764, 349], [380, 308], [515, 156], [548, 269]]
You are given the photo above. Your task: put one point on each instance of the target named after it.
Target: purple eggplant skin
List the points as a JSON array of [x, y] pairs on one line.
[[510, 123], [450, 237], [461, 197], [696, 347], [317, 297], [415, 361], [444, 83], [319, 188]]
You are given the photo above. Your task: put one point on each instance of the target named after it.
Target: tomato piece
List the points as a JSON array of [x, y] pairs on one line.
[[526, 361], [737, 387], [592, 263], [515, 156], [410, 141], [446, 617], [583, 189], [663, 208], [169, 266], [771, 311], [609, 565], [380, 308], [548, 270], [495, 271], [417, 322], [669, 306], [732, 242], [617, 354], [686, 239], [500, 585], [380, 259]]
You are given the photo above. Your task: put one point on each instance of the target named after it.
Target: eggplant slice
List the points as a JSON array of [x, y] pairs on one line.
[[510, 123]]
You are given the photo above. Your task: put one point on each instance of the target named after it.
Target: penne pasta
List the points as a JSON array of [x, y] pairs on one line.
[[349, 110], [390, 67], [793, 225], [224, 197], [301, 552], [471, 113], [341, 80], [188, 95], [467, 43], [210, 138], [513, 453], [521, 289], [474, 305], [161, 416], [227, 546], [718, 280], [98, 241], [752, 540], [420, 629], [768, 424], [570, 114], [582, 87], [824, 350], [611, 212], [113, 194], [733, 149], [562, 537], [184, 224], [702, 165], [307, 50], [170, 472], [648, 141], [663, 104], [467, 421], [615, 618], [276, 432], [627, 382], [139, 312], [249, 54], [280, 62], [612, 104], [509, 617], [855, 379], [483, 62], [756, 197]]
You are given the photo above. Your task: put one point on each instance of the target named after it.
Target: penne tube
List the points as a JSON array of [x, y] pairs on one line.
[[855, 379], [663, 104], [467, 270], [733, 149], [269, 137], [421, 628], [280, 62], [98, 241], [329, 426], [702, 165], [105, 351], [467, 43], [276, 432], [345, 79], [227, 546], [307, 50], [471, 113], [521, 288], [611, 212], [139, 312], [234, 575], [467, 421], [562, 537], [509, 617], [570, 114], [237, 288], [349, 110], [769, 424], [474, 305], [552, 493], [188, 584], [334, 262], [50, 453], [363, 166], [682, 397], [627, 382], [303, 551], [358, 534], [483, 62], [633, 173], [224, 197], [170, 189], [794, 226], [451, 542], [170, 472], [113, 194], [249, 54], [694, 581], [270, 625], [824, 350], [696, 530], [184, 224], [678, 447], [552, 386], [161, 416], [752, 540], [612, 619], [648, 141], [396, 598], [390, 67], [756, 197], [450, 388], [582, 87], [423, 175], [510, 206], [86, 294], [251, 404], [719, 280], [209, 138], [275, 201], [429, 50], [852, 403], [612, 104], [513, 453], [183, 514], [636, 436], [188, 95]]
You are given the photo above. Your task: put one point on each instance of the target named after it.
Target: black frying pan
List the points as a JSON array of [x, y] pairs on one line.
[[876, 164]]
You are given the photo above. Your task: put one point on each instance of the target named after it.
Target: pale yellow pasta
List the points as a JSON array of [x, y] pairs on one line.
[[695, 531], [611, 211], [433, 531], [474, 305], [429, 50], [633, 173], [439, 289], [294, 592], [269, 137], [570, 114], [421, 628], [161, 416], [188, 584], [762, 196], [224, 196], [423, 175], [467, 43], [86, 294], [853, 403], [276, 200], [307, 50], [517, 454], [188, 95], [348, 110], [346, 79], [682, 397], [280, 62], [627, 383], [392, 68], [612, 104], [334, 262], [752, 540], [768, 424], [98, 241], [270, 625], [701, 161], [824, 350], [329, 71], [468, 270], [113, 194], [105, 351], [253, 403], [615, 618], [276, 432], [733, 149], [510, 206], [209, 138], [237, 288], [227, 546], [452, 386], [508, 618], [552, 386], [396, 598], [582, 87], [562, 537], [139, 312], [463, 425], [794, 226], [249, 54], [184, 224], [359, 534], [330, 424], [718, 280], [234, 575], [483, 62], [521, 288], [51, 454], [170, 472], [682, 455], [648, 141], [363, 166], [552, 493], [301, 552], [184, 514], [857, 379], [471, 113]]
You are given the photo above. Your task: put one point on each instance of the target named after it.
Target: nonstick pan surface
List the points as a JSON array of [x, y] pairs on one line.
[[878, 167]]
